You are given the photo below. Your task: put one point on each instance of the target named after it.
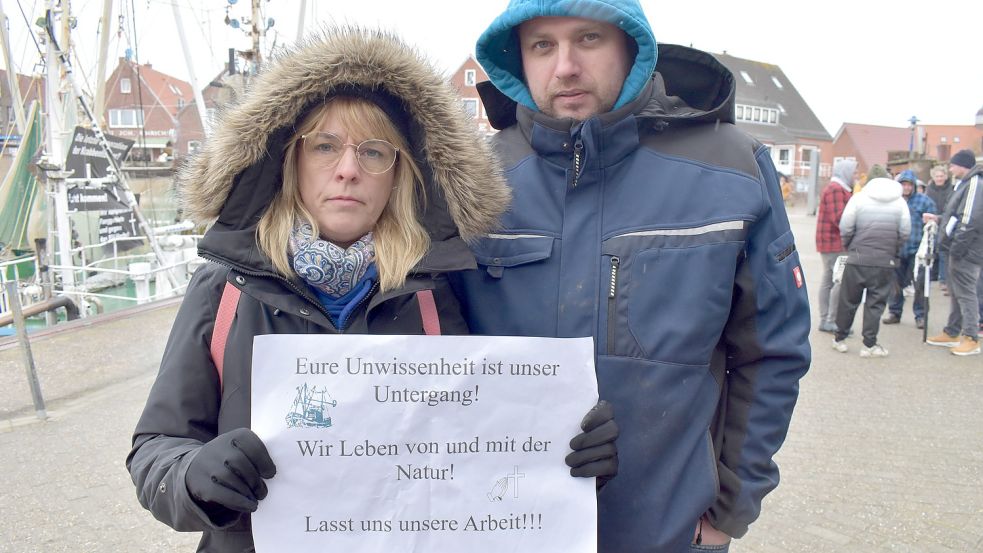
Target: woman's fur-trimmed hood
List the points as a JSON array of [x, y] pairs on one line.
[[461, 175]]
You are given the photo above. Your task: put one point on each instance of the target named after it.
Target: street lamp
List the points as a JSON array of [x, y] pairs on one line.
[[911, 142]]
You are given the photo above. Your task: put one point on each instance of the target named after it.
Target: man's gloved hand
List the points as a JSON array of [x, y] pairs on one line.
[[226, 476], [594, 452]]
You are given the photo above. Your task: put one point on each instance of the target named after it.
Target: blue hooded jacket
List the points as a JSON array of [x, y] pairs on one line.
[[659, 229]]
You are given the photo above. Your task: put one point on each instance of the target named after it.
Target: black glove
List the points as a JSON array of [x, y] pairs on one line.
[[594, 452], [226, 476]]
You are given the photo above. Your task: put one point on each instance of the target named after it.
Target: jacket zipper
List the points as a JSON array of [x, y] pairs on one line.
[[612, 296], [578, 151]]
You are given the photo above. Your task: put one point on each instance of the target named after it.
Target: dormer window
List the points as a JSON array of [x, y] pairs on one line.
[[778, 83], [747, 78]]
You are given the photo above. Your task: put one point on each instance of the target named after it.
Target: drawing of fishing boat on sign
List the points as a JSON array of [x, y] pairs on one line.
[[310, 408]]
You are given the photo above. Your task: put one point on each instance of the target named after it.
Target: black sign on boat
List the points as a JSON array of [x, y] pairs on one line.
[[85, 149]]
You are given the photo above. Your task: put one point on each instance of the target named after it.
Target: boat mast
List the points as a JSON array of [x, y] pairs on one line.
[[300, 21], [100, 107], [55, 145], [12, 81], [199, 100]]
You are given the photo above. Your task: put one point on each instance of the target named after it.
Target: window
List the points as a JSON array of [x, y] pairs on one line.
[[781, 108], [778, 83], [756, 114], [955, 139], [783, 156], [180, 103], [471, 106], [469, 77], [124, 86], [193, 146], [125, 118], [943, 139], [747, 78]]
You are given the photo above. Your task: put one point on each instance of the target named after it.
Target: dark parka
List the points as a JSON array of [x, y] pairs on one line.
[[966, 206], [232, 182]]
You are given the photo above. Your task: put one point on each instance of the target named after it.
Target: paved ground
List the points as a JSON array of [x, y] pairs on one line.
[[883, 455]]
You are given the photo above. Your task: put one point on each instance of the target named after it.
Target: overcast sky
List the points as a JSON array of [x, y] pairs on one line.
[[860, 61]]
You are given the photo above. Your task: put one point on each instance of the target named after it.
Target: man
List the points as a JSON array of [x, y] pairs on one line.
[[648, 221], [918, 205], [961, 241], [939, 190], [875, 224], [828, 243]]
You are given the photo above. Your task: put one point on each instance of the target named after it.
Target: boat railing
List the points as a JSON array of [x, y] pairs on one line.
[[108, 274], [11, 269]]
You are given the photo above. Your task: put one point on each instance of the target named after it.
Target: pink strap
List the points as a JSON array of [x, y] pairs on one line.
[[223, 322], [428, 312]]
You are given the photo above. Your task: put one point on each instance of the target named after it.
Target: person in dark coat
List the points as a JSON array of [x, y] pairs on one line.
[[961, 242], [345, 182]]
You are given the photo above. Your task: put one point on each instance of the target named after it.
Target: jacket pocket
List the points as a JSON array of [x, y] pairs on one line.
[[498, 252], [669, 290], [507, 265], [783, 270]]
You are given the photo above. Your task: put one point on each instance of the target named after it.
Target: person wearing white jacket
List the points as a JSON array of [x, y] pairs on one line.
[[875, 224]]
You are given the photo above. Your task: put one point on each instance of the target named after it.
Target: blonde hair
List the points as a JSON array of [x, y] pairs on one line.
[[939, 170], [400, 240]]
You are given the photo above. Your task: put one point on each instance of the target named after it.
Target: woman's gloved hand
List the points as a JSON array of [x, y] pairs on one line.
[[594, 452], [227, 475]]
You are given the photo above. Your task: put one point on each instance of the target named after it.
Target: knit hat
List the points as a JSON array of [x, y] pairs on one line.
[[964, 158], [877, 171]]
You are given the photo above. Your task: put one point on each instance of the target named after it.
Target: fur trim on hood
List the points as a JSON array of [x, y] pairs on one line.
[[462, 176]]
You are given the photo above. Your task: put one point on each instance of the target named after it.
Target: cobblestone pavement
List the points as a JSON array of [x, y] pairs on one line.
[[884, 455]]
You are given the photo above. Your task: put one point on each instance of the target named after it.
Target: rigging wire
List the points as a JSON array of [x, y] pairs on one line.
[[30, 31]]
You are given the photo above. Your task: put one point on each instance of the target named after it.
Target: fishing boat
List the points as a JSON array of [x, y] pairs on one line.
[[310, 408], [71, 226]]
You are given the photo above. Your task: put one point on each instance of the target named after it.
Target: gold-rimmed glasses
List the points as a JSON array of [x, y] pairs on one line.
[[375, 156]]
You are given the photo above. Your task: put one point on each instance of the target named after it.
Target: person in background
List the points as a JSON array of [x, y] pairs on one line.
[[629, 173], [939, 189], [829, 244], [875, 224], [961, 240], [787, 189], [918, 205]]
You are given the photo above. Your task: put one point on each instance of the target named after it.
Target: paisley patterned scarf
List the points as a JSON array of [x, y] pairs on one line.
[[325, 266]]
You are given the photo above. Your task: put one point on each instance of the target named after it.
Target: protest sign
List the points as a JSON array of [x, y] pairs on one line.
[[422, 443]]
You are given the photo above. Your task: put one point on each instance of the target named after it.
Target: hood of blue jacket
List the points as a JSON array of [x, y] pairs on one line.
[[498, 47]]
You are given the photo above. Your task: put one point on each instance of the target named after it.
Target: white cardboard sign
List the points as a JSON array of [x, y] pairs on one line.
[[423, 443]]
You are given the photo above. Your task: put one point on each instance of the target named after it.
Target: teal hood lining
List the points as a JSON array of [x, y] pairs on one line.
[[498, 53]]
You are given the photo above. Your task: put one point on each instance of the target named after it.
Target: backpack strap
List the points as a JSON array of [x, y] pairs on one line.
[[223, 323], [428, 312]]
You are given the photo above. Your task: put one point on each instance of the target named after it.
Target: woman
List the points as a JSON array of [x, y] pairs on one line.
[[340, 187]]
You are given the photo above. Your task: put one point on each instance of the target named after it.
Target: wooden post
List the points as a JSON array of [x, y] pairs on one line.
[[13, 297]]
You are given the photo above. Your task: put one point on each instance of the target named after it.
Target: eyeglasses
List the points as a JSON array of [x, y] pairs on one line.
[[375, 156]]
